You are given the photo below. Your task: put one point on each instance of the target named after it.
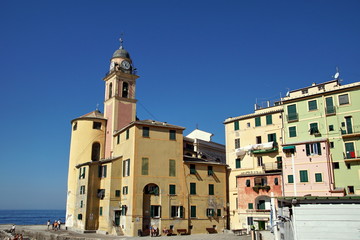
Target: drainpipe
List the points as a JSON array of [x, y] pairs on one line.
[[273, 213]]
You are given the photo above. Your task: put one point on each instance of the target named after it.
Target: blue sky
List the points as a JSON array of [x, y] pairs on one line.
[[199, 63]]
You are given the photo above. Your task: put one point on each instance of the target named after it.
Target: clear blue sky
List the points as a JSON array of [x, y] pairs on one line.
[[199, 62]]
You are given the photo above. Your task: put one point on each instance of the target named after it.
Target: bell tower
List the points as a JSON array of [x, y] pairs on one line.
[[120, 102]]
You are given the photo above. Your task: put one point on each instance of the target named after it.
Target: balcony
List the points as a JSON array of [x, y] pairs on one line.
[[351, 156], [330, 110], [292, 117], [350, 132], [272, 167], [264, 147]]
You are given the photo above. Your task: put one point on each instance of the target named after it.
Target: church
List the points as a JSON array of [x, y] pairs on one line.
[[127, 176]]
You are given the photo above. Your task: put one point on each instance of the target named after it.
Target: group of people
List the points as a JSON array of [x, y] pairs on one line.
[[153, 231], [55, 225], [17, 236]]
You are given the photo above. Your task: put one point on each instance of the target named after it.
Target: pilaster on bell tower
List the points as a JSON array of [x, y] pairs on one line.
[[120, 102]]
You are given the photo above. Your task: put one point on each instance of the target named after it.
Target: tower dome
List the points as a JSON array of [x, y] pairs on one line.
[[121, 52]]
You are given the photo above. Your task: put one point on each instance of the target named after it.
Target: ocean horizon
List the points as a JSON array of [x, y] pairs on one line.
[[31, 217]]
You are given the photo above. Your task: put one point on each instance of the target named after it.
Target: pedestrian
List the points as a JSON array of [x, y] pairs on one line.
[[48, 224], [151, 231], [155, 231], [12, 230], [59, 223]]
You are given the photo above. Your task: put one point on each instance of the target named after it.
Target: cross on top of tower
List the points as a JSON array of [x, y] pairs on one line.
[[121, 40]]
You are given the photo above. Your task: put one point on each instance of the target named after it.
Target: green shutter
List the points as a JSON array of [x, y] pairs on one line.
[[219, 213], [105, 170], [99, 171], [250, 206], [292, 131], [152, 211], [172, 135], [192, 169], [279, 162], [268, 119], [290, 179], [211, 189], [257, 122], [237, 163], [307, 146], [303, 176], [172, 189], [145, 166], [292, 115], [172, 168], [193, 211], [312, 105], [272, 137], [319, 148], [247, 182], [181, 211], [192, 188], [318, 177], [236, 125], [101, 211], [127, 133]]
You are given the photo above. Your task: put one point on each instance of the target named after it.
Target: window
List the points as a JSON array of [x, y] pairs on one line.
[[336, 165], [292, 131], [257, 122], [236, 125], [290, 179], [100, 211], [305, 91], [250, 206], [210, 171], [82, 172], [96, 125], [102, 171], [75, 126], [125, 190], [351, 190], [268, 119], [210, 212], [313, 149], [80, 216], [279, 162], [330, 108], [318, 177], [259, 161], [292, 114], [237, 203], [193, 188], [211, 189], [276, 181], [125, 90], [272, 137], [348, 165], [313, 128], [258, 139], [146, 132], [260, 181], [303, 176], [172, 135], [312, 105], [118, 139], [127, 134], [331, 127], [110, 90], [101, 193], [218, 213], [81, 204], [238, 163], [145, 166], [172, 189], [95, 151], [193, 211], [250, 221], [331, 144], [177, 211], [123, 210], [126, 168], [248, 124], [155, 211], [82, 189], [192, 169], [343, 99], [237, 142], [152, 189], [172, 168], [247, 183], [117, 193]]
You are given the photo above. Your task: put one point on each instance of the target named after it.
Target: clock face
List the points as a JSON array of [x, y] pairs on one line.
[[125, 64]]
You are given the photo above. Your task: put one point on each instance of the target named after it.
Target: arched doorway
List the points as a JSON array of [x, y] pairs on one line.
[[151, 208]]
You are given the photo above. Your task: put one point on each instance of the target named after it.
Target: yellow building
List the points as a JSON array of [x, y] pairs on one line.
[[254, 157], [127, 175]]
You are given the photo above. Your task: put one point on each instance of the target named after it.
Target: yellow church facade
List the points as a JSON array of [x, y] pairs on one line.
[[127, 176]]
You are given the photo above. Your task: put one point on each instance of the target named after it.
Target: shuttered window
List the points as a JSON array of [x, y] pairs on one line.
[[292, 131], [312, 105], [172, 189], [236, 125], [193, 211], [257, 122], [192, 188], [268, 119], [211, 189], [272, 137], [172, 168], [318, 177], [303, 176], [290, 179], [237, 163], [145, 166], [343, 99]]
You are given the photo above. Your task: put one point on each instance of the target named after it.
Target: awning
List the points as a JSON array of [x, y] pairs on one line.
[[288, 147]]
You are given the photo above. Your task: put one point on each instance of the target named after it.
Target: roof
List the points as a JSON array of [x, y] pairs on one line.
[[91, 115], [251, 115], [317, 199], [121, 53], [150, 123], [188, 159]]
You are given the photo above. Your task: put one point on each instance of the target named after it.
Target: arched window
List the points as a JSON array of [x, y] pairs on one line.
[[125, 90], [95, 152], [110, 90]]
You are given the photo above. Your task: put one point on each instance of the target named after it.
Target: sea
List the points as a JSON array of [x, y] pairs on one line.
[[31, 217]]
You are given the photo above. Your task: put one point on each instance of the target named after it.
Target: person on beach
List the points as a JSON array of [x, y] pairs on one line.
[[12, 230], [59, 223], [48, 224]]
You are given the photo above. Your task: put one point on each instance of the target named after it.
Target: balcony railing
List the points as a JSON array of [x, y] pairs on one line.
[[272, 167], [292, 117], [330, 110], [350, 155], [350, 132]]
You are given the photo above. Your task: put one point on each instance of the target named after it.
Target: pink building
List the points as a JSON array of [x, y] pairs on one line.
[[308, 169]]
